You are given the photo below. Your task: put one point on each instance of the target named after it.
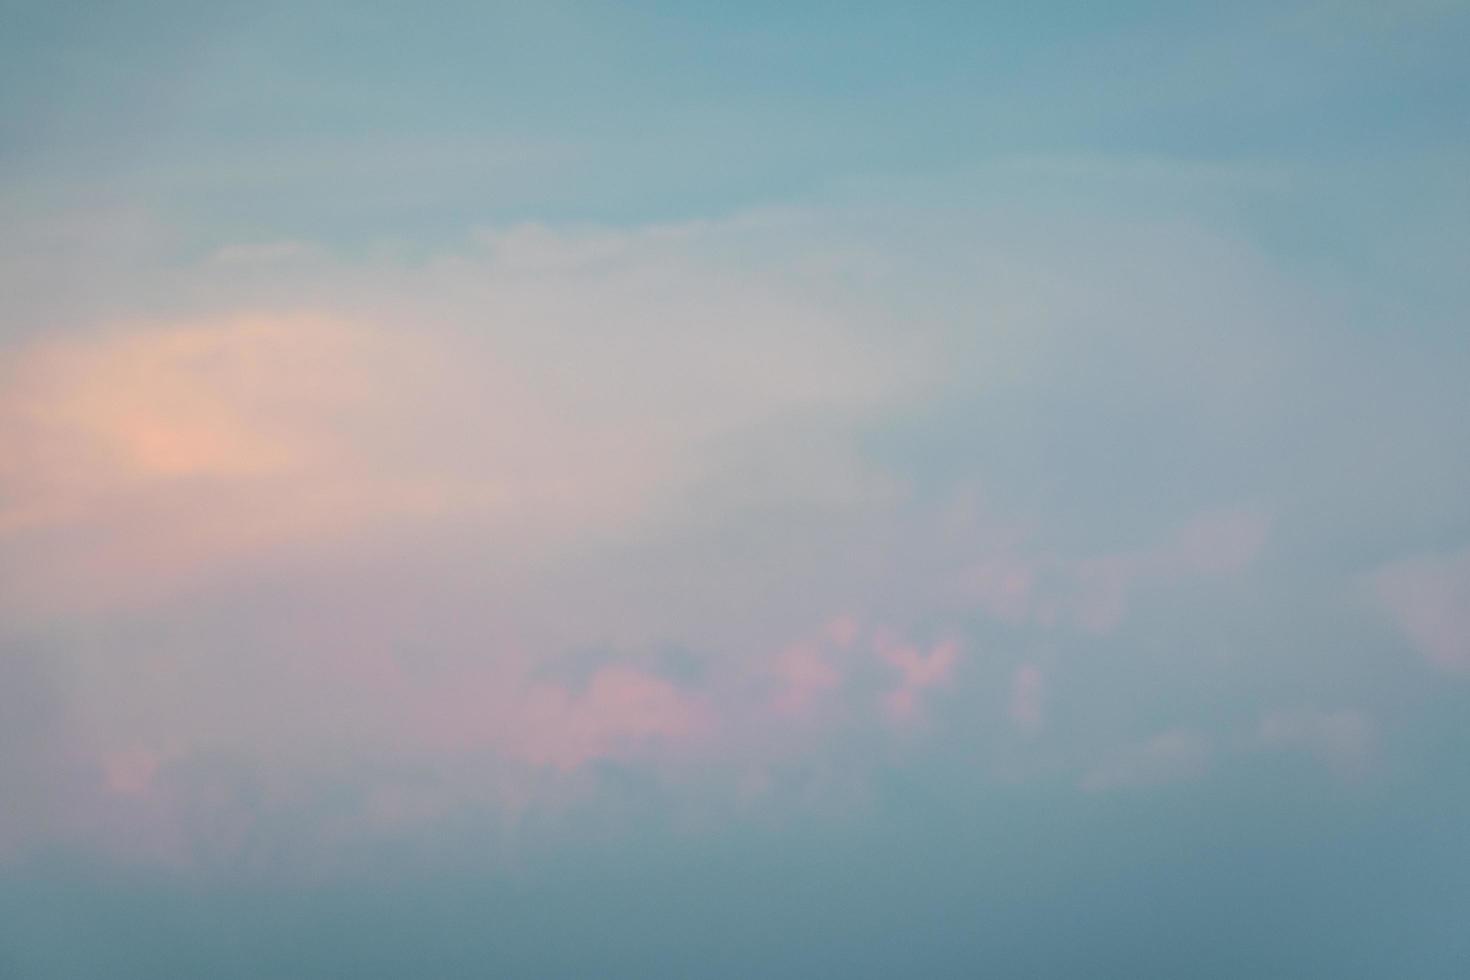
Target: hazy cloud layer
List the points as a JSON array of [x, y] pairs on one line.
[[557, 498], [757, 492]]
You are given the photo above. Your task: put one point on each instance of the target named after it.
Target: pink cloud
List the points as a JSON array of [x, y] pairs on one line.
[[807, 671], [806, 675], [918, 672], [1093, 592], [499, 708], [622, 708], [1429, 598], [130, 772], [145, 459], [468, 736], [842, 632]]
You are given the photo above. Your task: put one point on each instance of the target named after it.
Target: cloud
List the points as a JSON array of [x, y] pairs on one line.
[[409, 744], [376, 501], [1026, 705], [149, 454], [1343, 739], [476, 529], [620, 711], [919, 672], [130, 772], [620, 705], [369, 506], [41, 757], [1170, 756], [807, 676], [1428, 597], [1027, 586], [607, 382]]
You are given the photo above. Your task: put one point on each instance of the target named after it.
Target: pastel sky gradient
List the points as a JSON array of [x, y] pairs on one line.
[[734, 490]]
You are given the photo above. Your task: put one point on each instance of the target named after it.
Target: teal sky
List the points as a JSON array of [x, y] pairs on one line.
[[683, 490]]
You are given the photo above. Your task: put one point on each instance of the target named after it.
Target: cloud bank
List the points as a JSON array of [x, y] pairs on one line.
[[754, 509]]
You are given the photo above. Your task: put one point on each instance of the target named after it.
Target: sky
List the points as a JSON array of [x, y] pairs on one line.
[[721, 490]]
